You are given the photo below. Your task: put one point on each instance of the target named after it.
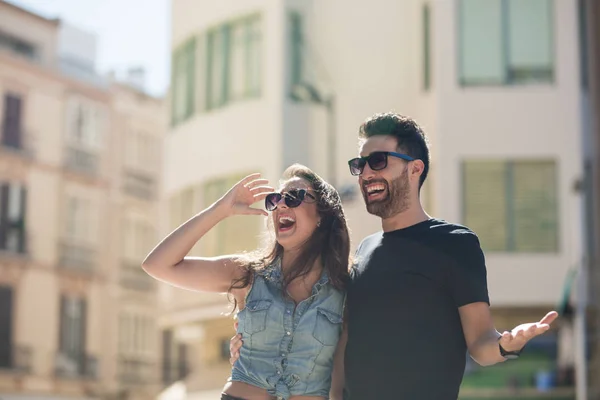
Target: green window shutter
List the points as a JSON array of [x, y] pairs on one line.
[[174, 68], [426, 47], [210, 45], [226, 54], [190, 77], [484, 202], [535, 206], [296, 45]]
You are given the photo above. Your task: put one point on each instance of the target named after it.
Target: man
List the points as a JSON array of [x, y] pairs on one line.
[[418, 298]]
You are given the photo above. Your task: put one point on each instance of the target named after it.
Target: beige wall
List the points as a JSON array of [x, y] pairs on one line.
[[36, 30], [38, 279]]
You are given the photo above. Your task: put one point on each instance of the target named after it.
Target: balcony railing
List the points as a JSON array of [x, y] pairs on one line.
[[17, 240], [22, 144], [77, 258], [15, 359], [75, 366], [81, 160], [137, 371], [132, 276], [139, 184]]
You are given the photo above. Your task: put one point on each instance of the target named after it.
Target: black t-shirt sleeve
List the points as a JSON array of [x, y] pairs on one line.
[[468, 275]]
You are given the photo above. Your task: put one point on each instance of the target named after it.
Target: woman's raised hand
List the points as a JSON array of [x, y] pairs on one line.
[[246, 192]]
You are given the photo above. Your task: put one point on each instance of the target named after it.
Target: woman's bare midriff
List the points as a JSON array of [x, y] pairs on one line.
[[250, 392]]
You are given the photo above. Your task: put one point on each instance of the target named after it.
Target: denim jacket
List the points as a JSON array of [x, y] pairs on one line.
[[288, 350]]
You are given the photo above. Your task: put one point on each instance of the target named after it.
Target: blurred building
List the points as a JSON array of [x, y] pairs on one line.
[[80, 166], [590, 11], [496, 84]]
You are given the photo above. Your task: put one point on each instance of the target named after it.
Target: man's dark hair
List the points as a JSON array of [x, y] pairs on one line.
[[411, 138]]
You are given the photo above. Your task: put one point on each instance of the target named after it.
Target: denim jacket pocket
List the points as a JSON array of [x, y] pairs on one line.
[[327, 327], [257, 316]]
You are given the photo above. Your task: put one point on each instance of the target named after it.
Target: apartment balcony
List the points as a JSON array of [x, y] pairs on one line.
[[75, 366], [15, 359], [15, 243], [137, 371], [18, 143], [139, 184], [81, 160], [132, 276], [77, 258]]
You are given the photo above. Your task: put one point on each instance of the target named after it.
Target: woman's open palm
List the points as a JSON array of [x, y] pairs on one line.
[[246, 192]]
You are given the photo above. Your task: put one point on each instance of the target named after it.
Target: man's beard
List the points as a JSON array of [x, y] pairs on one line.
[[396, 200]]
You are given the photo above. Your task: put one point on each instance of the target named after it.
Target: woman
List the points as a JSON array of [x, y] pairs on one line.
[[289, 298]]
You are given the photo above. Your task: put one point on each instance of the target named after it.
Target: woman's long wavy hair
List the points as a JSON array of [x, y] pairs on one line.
[[330, 241]]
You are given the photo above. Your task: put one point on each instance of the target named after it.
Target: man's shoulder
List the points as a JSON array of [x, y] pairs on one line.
[[454, 233], [369, 241]]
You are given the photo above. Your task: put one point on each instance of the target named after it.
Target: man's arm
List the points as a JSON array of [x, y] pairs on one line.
[[483, 339], [337, 376]]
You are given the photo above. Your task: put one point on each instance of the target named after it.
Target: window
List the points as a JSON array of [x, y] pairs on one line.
[[141, 150], [296, 49], [72, 326], [512, 205], [137, 335], [85, 119], [6, 327], [137, 343], [174, 355], [217, 67], [217, 63], [426, 46], [233, 62], [183, 82], [253, 56], [139, 238], [18, 46], [506, 41], [81, 219], [237, 72], [12, 130], [13, 200]]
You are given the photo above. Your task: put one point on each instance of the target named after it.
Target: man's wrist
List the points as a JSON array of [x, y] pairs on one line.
[[508, 353]]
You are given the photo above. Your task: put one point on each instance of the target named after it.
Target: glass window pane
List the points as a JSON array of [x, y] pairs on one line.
[[296, 38], [237, 84], [253, 57], [201, 73], [484, 202], [215, 80], [535, 206], [190, 69], [481, 44], [530, 56], [180, 85]]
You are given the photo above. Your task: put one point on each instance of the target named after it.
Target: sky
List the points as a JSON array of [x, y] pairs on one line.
[[130, 33]]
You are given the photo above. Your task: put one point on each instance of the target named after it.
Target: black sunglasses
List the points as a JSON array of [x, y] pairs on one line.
[[377, 161], [293, 198]]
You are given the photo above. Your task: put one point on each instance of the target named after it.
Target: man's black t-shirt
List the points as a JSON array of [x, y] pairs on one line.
[[405, 338]]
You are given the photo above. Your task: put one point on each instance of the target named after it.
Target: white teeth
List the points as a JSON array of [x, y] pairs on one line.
[[373, 188], [286, 219]]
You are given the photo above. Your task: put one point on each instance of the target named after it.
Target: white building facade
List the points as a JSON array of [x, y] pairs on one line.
[[496, 84]]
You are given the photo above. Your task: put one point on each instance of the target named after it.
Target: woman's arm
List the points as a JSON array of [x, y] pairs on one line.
[[168, 262], [337, 376]]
